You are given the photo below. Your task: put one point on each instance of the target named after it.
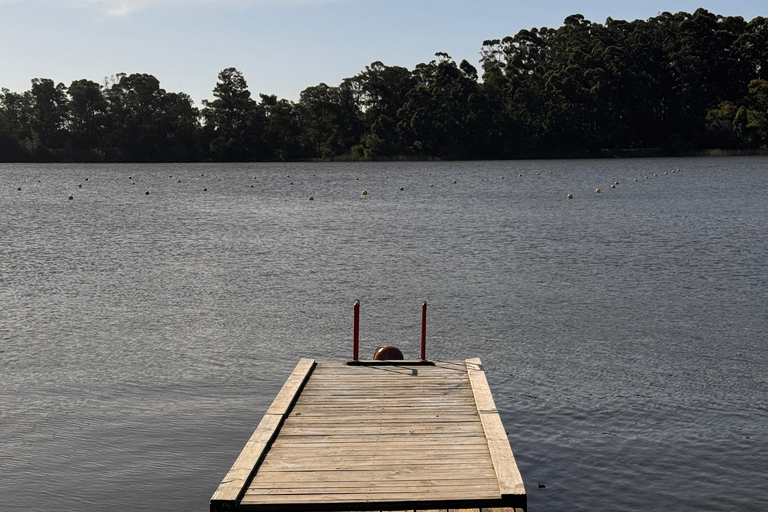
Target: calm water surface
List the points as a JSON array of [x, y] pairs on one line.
[[142, 336]]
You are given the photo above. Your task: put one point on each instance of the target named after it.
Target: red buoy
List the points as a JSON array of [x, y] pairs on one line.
[[388, 353]]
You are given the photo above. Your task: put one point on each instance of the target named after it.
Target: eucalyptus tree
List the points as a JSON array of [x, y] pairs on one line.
[[49, 104], [330, 119], [235, 124], [89, 111]]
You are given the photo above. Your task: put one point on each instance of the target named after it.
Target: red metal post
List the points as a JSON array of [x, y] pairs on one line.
[[424, 331], [357, 329]]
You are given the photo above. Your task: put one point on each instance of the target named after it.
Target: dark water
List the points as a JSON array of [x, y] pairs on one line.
[[624, 333]]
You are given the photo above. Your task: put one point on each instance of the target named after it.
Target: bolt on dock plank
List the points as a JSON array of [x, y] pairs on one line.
[[405, 436]]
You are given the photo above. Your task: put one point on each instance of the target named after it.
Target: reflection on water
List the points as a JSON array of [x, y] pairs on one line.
[[142, 336]]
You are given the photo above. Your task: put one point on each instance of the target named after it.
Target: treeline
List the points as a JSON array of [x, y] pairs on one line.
[[676, 82]]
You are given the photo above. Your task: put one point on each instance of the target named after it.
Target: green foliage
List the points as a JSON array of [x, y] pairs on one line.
[[675, 81]]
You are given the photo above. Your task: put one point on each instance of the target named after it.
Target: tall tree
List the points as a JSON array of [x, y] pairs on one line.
[[235, 125]]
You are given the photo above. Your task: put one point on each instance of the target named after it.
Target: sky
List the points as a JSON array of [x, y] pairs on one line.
[[281, 46]]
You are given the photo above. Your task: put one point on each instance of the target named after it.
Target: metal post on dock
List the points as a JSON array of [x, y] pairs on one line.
[[424, 331], [357, 329]]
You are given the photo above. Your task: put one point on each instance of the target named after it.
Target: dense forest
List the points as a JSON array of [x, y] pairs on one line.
[[671, 84]]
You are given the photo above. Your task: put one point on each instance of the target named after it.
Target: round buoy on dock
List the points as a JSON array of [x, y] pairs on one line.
[[388, 353], [570, 196]]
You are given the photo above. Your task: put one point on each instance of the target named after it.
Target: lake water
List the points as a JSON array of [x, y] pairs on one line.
[[624, 334]]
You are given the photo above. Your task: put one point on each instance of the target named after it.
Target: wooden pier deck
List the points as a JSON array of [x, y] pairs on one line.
[[407, 436]]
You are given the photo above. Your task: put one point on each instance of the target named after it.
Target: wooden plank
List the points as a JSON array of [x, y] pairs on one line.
[[230, 488], [374, 483], [233, 484], [470, 465], [289, 393], [510, 480], [440, 494], [365, 475]]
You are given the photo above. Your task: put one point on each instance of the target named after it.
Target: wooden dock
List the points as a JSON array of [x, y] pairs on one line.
[[402, 436]]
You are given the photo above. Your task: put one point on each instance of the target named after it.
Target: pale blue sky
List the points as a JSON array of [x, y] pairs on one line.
[[281, 46]]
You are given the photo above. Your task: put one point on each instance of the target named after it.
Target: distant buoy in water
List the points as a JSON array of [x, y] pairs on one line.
[[454, 181], [71, 198], [401, 188], [18, 188], [251, 186], [146, 193], [665, 172], [80, 185], [655, 174], [311, 198], [613, 186], [615, 182], [598, 191], [570, 196], [179, 181], [205, 190], [537, 174], [365, 192], [520, 175], [646, 177]]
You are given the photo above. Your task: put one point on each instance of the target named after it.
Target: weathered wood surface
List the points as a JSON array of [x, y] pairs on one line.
[[382, 438]]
